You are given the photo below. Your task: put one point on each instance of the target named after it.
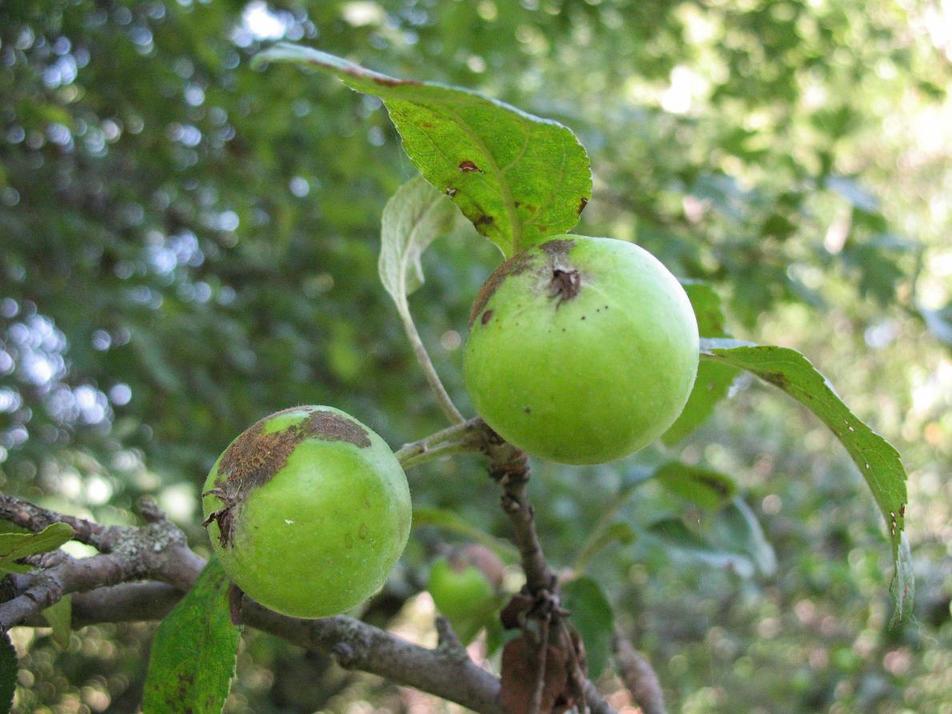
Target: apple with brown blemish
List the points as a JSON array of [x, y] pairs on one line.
[[581, 350], [308, 511]]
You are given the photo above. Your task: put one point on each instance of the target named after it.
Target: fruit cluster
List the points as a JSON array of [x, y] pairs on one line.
[[581, 350]]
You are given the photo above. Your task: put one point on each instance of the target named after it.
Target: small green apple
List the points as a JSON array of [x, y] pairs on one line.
[[465, 587], [581, 350], [308, 510]]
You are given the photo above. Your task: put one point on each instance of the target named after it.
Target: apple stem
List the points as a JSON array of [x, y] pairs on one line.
[[465, 436]]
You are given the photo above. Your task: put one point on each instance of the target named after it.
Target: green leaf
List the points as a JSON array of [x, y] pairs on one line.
[[194, 650], [713, 381], [8, 673], [877, 459], [736, 525], [60, 618], [414, 217], [707, 308], [674, 534], [10, 567], [619, 531], [706, 488], [450, 521], [593, 618], [712, 384], [517, 177], [903, 586], [14, 546]]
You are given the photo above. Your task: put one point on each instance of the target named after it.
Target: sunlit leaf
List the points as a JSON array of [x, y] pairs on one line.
[[517, 177], [414, 217]]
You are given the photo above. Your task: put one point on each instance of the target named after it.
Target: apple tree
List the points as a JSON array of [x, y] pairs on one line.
[[581, 350]]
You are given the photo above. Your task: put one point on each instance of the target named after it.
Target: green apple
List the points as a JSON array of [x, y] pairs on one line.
[[581, 350], [465, 588], [308, 511]]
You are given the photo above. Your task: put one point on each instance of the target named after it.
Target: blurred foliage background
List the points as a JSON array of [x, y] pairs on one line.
[[188, 244]]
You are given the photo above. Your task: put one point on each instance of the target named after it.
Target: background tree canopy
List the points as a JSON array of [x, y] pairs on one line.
[[189, 244]]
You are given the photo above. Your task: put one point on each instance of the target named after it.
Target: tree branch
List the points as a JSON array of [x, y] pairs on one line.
[[638, 675], [141, 572], [357, 645], [509, 467], [465, 436], [155, 551], [129, 602], [104, 592]]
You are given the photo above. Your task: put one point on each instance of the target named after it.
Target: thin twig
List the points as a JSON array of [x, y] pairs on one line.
[[509, 467], [536, 703], [594, 700], [638, 675], [438, 452], [470, 430]]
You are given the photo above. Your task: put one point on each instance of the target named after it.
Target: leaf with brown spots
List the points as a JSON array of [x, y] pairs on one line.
[[877, 460], [519, 178], [194, 650]]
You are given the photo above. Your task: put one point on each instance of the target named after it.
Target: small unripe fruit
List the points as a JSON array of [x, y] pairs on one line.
[[465, 588], [581, 350], [308, 511]]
